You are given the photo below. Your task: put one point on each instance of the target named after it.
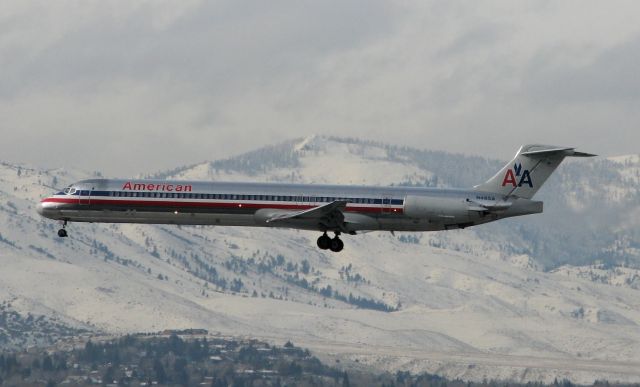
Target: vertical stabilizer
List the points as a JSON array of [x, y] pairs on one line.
[[524, 175]]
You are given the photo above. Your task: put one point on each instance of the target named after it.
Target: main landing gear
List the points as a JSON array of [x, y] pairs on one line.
[[62, 233], [334, 244]]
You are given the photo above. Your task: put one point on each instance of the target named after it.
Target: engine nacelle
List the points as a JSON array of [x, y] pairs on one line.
[[438, 209]]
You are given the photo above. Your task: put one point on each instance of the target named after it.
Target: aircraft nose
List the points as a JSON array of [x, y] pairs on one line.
[[45, 209], [40, 208]]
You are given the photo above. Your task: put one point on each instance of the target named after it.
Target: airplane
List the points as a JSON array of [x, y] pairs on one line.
[[333, 209]]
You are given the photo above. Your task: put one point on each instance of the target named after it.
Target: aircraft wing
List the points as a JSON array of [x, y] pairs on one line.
[[329, 210]]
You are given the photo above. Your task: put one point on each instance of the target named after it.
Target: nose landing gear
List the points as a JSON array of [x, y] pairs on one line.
[[334, 244], [62, 233]]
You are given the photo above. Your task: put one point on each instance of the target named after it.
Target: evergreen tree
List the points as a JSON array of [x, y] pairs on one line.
[[109, 375], [161, 375], [47, 363], [345, 380]]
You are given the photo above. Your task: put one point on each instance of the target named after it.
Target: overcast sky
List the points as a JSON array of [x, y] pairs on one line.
[[126, 87]]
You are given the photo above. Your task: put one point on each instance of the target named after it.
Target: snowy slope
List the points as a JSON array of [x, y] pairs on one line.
[[471, 303]]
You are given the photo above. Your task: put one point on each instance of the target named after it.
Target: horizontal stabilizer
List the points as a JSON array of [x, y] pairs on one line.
[[556, 151], [582, 154]]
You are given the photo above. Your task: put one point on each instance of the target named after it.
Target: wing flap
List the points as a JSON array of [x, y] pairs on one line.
[[311, 213]]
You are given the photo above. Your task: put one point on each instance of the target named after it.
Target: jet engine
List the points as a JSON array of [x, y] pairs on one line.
[[438, 209]]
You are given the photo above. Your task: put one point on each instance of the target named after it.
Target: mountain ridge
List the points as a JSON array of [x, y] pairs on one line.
[[466, 295]]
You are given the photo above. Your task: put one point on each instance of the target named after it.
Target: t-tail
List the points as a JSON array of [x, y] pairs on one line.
[[529, 169]]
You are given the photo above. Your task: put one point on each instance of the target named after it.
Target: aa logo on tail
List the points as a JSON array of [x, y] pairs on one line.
[[510, 178]]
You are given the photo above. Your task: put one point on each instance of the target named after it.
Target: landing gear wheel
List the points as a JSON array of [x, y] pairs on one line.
[[62, 233], [336, 245], [324, 242]]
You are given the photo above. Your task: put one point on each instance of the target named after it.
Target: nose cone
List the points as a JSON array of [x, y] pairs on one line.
[[47, 209], [40, 208]]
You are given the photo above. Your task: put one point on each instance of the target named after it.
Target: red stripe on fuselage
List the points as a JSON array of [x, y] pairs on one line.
[[191, 204]]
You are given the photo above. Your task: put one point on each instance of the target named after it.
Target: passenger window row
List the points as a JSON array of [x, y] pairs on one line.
[[272, 198]]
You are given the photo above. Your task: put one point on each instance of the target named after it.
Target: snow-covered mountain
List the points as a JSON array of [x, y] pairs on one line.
[[474, 303]]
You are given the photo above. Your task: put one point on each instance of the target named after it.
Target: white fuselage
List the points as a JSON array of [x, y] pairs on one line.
[[255, 204]]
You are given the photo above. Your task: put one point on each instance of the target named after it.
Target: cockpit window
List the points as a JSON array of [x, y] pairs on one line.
[[69, 191]]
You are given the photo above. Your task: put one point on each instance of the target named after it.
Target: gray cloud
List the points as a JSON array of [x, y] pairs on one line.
[[611, 77], [127, 87]]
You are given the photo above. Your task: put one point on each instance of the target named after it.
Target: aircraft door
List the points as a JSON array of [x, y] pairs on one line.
[[386, 204], [85, 196]]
